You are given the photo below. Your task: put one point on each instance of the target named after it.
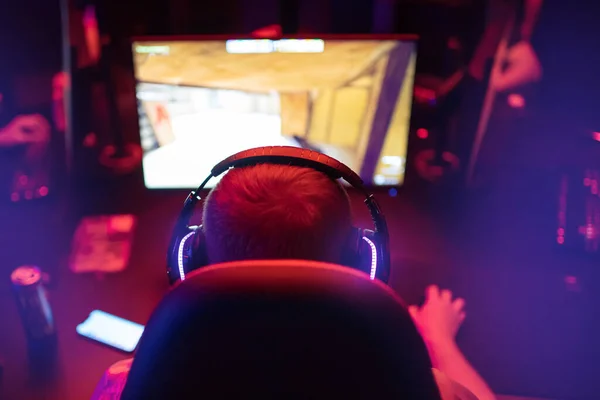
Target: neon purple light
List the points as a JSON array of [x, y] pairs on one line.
[[373, 257], [180, 255]]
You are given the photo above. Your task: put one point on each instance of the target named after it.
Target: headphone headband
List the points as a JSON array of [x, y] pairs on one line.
[[288, 155]]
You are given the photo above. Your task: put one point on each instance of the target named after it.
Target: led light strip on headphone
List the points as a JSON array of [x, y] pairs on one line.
[[180, 255], [373, 257]]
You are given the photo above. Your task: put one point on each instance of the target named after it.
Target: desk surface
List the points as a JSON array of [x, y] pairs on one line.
[[524, 331]]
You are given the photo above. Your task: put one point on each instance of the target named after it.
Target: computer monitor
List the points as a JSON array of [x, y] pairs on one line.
[[201, 100]]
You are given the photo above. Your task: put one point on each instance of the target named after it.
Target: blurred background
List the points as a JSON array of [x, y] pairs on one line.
[[495, 195]]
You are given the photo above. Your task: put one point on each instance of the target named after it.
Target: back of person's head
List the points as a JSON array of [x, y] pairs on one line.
[[272, 211]]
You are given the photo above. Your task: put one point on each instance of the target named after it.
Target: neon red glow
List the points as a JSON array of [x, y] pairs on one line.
[[422, 133], [516, 100]]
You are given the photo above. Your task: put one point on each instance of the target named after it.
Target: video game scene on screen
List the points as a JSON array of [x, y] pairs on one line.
[[201, 101]]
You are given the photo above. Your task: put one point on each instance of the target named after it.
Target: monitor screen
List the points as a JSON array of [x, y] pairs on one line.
[[200, 101]]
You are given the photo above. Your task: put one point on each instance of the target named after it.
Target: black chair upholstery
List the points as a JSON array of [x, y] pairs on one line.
[[280, 330]]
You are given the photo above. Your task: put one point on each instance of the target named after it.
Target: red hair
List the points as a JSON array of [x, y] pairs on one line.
[[276, 211]]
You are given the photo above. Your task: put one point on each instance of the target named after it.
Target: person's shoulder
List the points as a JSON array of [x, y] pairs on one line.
[[451, 390], [113, 381]]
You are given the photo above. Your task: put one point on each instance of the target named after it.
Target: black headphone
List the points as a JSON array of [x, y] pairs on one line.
[[367, 250]]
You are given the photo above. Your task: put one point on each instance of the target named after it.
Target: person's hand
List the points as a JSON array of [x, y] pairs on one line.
[[440, 317], [26, 129], [523, 67]]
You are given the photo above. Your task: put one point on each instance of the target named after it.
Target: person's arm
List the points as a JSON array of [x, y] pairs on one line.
[[438, 321], [531, 13], [447, 357], [113, 381]]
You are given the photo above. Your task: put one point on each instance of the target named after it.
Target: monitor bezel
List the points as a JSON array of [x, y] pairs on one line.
[[224, 37]]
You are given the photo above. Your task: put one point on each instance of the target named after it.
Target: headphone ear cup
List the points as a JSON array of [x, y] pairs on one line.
[[350, 255], [198, 258]]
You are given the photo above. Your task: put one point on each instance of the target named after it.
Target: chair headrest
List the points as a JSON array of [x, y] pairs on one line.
[[290, 328]]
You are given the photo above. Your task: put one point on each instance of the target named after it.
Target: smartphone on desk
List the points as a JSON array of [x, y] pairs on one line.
[[111, 330]]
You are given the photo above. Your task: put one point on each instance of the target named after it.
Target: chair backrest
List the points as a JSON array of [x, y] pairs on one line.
[[280, 329]]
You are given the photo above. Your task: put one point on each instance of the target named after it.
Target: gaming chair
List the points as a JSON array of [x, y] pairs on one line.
[[280, 329]]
